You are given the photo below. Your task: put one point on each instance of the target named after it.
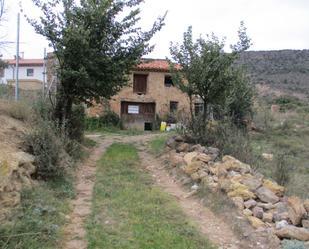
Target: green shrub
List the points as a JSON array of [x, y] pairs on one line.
[[293, 244], [110, 119], [45, 144], [282, 169], [106, 120]]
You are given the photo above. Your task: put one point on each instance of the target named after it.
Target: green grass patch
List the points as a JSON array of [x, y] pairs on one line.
[[157, 145], [129, 212], [39, 220]]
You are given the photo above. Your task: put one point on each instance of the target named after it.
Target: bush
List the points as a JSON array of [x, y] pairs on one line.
[[47, 147], [107, 119], [282, 169], [17, 110]]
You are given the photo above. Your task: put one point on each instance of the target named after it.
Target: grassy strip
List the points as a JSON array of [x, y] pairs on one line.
[[129, 212], [38, 222], [157, 145]]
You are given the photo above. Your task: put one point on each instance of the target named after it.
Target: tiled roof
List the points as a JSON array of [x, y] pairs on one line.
[[27, 62], [157, 65]]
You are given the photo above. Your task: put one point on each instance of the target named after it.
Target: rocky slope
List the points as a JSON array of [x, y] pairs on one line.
[[260, 200], [16, 166]]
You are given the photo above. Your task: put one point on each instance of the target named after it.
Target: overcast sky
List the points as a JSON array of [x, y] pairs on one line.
[[271, 24]]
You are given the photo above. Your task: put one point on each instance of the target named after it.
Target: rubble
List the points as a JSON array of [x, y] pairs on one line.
[[260, 200]]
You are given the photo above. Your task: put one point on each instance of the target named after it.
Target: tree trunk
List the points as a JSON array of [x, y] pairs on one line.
[[205, 110], [63, 109]]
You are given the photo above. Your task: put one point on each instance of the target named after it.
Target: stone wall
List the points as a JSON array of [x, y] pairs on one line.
[[262, 201]]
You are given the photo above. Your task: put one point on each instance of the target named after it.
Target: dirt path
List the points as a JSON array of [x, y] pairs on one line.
[[212, 226], [75, 233]]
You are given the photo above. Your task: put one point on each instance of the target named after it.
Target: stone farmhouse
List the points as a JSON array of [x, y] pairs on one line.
[[31, 73], [150, 94]]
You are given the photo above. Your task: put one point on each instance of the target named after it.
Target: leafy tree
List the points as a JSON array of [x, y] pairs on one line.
[[96, 47], [207, 71]]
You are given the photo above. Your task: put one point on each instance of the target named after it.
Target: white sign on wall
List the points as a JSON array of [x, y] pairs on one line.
[[133, 109]]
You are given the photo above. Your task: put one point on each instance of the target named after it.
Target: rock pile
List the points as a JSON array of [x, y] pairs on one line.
[[259, 199]]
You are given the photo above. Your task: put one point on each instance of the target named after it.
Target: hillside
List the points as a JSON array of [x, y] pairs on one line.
[[284, 71]]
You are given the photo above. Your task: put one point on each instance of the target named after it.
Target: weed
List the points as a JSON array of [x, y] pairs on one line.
[[37, 222], [157, 145]]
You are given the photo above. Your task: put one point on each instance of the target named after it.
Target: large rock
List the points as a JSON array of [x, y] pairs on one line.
[[274, 187], [306, 205], [231, 163], [203, 157], [296, 210], [266, 206], [250, 203], [182, 147], [267, 217], [198, 148], [179, 139], [247, 212], [218, 170], [171, 143], [266, 195], [251, 182], [193, 167], [255, 222], [189, 157], [292, 232], [258, 212], [239, 190]]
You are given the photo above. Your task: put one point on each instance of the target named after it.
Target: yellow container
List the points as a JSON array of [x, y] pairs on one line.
[[163, 126]]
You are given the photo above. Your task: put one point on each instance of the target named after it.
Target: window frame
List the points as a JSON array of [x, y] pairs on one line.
[[174, 104], [28, 72], [135, 84], [168, 84]]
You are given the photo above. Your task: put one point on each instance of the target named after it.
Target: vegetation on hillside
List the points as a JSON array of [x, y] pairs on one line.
[[285, 70]]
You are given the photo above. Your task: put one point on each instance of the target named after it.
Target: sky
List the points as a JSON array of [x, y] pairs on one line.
[[271, 24]]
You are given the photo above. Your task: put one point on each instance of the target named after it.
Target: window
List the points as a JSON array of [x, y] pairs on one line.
[[173, 106], [168, 81], [198, 108], [30, 72], [140, 83]]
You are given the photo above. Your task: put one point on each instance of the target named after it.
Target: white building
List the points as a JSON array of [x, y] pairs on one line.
[[31, 73]]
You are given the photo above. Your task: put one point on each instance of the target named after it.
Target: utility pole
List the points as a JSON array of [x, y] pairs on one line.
[[17, 59], [44, 73]]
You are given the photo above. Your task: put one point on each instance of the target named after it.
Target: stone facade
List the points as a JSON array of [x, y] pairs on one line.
[[156, 93]]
